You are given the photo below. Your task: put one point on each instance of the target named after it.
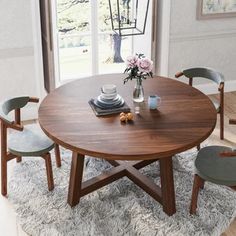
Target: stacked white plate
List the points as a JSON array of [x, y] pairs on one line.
[[109, 98]]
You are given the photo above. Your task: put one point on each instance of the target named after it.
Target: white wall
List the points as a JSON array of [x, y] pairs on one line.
[[210, 43], [161, 41], [19, 74]]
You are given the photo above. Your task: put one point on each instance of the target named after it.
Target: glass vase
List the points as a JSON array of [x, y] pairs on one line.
[[138, 94]]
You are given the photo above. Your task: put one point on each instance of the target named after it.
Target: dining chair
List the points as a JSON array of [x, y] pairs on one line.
[[218, 78], [28, 140], [215, 164]]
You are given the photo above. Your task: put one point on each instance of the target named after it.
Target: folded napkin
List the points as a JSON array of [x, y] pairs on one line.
[[107, 111]]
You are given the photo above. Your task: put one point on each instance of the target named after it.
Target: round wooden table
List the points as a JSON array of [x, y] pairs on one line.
[[185, 118]]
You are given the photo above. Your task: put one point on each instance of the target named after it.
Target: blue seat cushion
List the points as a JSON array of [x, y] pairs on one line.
[[30, 142], [210, 166]]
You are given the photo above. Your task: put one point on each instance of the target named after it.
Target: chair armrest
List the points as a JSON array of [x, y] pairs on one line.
[[179, 74], [15, 126], [34, 99], [12, 125], [232, 121]]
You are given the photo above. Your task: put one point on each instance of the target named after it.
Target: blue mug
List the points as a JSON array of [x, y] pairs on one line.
[[154, 102]]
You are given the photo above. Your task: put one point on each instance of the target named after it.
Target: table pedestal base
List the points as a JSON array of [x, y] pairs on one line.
[[164, 194]]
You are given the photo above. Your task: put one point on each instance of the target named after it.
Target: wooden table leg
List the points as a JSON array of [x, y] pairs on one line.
[[165, 195], [76, 177], [167, 185]]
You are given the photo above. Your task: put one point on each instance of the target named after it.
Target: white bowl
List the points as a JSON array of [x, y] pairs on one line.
[[108, 96], [109, 88]]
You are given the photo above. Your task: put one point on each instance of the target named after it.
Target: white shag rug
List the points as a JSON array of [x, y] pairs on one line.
[[120, 208]]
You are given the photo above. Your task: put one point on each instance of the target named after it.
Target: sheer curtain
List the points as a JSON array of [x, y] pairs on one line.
[[161, 36]]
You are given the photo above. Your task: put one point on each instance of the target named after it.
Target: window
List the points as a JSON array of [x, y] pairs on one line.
[[85, 44]]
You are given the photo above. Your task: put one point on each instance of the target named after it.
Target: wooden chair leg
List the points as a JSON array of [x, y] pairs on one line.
[[197, 184], [201, 185], [58, 155], [48, 163], [233, 187], [18, 159], [3, 159], [221, 124], [4, 176]]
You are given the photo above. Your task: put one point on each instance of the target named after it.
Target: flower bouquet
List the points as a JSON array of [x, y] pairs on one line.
[[138, 67]]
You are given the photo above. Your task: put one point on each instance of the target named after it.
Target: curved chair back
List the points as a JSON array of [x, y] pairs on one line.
[[206, 73], [12, 104], [213, 75]]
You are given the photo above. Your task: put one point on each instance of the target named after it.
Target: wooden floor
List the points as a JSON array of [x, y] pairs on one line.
[[8, 222]]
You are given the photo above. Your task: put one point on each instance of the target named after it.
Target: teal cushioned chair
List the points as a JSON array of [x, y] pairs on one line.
[[28, 140], [214, 76], [216, 164]]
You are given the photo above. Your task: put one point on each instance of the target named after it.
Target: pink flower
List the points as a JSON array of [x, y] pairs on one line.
[[131, 61], [145, 65]]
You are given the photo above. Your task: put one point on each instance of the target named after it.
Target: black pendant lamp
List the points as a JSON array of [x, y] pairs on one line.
[[128, 17]]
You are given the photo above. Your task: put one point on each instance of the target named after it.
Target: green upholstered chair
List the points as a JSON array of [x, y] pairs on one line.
[[215, 164], [28, 140], [210, 74]]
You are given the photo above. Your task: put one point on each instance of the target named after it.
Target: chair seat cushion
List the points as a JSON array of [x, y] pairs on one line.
[[210, 166], [216, 105], [30, 142]]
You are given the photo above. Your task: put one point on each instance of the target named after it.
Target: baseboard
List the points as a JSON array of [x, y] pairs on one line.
[[211, 88], [29, 113]]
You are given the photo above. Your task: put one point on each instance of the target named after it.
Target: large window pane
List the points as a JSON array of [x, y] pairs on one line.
[[74, 38], [75, 56], [86, 43], [112, 49], [109, 60]]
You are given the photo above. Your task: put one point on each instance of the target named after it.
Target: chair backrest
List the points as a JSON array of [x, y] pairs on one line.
[[10, 105], [203, 72]]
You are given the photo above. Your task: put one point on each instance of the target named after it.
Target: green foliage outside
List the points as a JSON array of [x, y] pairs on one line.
[[74, 15], [74, 27]]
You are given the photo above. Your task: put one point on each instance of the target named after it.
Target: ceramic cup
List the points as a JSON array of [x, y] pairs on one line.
[[154, 102]]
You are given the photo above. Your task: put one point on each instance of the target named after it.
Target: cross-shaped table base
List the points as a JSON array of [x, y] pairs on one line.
[[164, 194]]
